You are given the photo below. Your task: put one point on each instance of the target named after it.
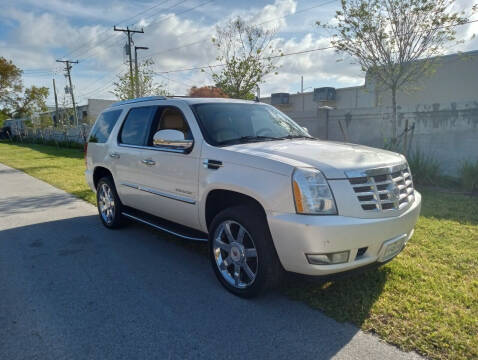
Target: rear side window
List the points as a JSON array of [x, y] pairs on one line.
[[103, 126], [136, 126]]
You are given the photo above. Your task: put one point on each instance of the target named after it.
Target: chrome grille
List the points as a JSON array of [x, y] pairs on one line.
[[383, 189]]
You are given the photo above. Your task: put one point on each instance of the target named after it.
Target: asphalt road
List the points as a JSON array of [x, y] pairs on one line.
[[71, 289]]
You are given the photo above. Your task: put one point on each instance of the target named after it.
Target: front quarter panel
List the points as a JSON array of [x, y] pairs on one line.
[[272, 190]]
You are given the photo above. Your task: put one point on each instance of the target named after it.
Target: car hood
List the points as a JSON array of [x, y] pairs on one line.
[[332, 158]]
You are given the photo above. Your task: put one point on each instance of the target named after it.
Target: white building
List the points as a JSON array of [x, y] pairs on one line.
[[443, 109], [87, 114]]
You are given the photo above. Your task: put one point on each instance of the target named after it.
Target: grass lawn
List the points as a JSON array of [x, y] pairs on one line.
[[424, 300], [63, 168]]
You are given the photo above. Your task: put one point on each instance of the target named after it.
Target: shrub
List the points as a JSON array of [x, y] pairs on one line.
[[425, 169], [49, 142], [469, 176]]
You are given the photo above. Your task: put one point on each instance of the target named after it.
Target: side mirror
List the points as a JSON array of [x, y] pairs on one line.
[[172, 139]]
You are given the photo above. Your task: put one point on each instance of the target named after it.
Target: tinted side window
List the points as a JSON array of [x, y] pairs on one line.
[[135, 127], [103, 126], [170, 118]]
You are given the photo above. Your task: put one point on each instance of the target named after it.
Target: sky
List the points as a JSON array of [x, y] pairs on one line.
[[34, 34]]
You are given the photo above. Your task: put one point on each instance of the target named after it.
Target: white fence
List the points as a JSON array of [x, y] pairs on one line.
[[71, 134]]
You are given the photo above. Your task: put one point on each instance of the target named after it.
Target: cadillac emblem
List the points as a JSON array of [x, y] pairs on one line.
[[394, 194]]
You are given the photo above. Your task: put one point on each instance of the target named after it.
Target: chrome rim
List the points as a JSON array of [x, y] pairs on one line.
[[106, 203], [235, 254]]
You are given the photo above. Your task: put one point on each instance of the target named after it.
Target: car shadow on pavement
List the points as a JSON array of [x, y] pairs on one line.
[[73, 289], [347, 298]]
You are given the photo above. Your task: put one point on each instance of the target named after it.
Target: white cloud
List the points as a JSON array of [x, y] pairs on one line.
[[102, 10], [41, 36], [38, 31], [272, 15]]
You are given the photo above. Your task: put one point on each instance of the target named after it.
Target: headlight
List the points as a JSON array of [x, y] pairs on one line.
[[312, 194]]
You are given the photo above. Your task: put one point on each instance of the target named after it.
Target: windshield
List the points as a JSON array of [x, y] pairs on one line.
[[230, 123]]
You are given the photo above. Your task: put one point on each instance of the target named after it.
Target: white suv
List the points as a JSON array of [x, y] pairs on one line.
[[246, 178]]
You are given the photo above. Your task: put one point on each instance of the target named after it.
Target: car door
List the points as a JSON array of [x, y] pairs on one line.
[[126, 155], [171, 174]]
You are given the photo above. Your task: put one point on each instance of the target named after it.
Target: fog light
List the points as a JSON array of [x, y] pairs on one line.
[[328, 259]]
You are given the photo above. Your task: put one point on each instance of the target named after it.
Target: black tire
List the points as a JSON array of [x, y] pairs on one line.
[[268, 269], [117, 219]]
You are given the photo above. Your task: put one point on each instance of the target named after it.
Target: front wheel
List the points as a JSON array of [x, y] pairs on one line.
[[242, 253], [109, 204]]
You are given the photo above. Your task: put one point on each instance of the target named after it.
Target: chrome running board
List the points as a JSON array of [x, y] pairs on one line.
[[195, 235]]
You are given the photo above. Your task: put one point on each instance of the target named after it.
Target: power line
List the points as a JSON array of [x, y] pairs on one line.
[[178, 3], [94, 46], [46, 74], [99, 90], [180, 13], [270, 57], [36, 70], [265, 57], [164, 10], [258, 24], [146, 10], [117, 23], [174, 80], [102, 77], [293, 53], [104, 86], [114, 41]]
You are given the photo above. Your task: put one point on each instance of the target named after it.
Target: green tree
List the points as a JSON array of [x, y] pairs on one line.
[[66, 112], [45, 121], [146, 85], [31, 101], [3, 117], [396, 42], [246, 52], [10, 79], [15, 101]]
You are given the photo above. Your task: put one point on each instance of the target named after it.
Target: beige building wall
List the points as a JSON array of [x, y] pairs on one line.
[[443, 109]]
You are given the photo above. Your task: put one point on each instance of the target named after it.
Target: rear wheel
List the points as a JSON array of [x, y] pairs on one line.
[[109, 204], [242, 253]]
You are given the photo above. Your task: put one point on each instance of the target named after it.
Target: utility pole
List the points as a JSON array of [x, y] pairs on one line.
[[57, 114], [68, 75], [302, 92], [129, 33], [136, 72]]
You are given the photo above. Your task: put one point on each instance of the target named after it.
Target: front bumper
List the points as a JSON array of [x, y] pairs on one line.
[[295, 235]]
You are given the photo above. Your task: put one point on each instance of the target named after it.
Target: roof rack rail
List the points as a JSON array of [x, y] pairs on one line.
[[141, 99]]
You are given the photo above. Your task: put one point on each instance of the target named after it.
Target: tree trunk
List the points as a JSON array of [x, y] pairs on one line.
[[394, 115]]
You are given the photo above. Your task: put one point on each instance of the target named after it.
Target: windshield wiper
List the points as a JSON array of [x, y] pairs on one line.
[[298, 137], [258, 138], [250, 138]]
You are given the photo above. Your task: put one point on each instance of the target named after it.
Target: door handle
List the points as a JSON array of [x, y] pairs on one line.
[[148, 162], [114, 155]]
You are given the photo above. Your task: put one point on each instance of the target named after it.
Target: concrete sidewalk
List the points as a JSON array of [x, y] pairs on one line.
[[71, 289]]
